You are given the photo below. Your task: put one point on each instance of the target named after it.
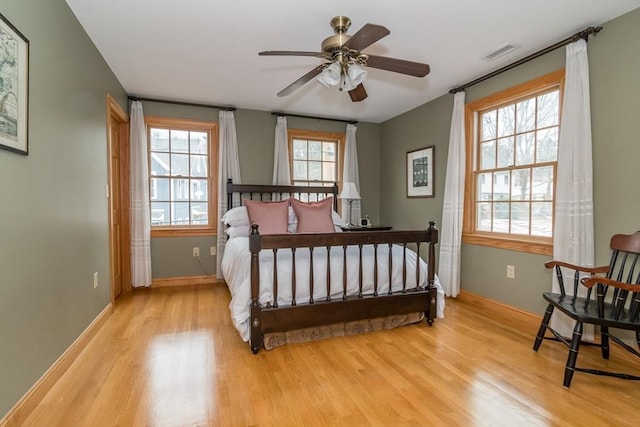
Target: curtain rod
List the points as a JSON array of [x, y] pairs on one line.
[[277, 113], [190, 104], [584, 34]]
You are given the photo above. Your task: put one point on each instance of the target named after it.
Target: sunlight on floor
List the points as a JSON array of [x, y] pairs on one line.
[[181, 379], [498, 404]]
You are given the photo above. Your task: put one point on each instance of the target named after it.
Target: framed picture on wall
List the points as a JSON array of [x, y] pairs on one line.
[[14, 86], [420, 172]]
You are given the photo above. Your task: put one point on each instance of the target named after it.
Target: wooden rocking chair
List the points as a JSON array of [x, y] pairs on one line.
[[616, 303]]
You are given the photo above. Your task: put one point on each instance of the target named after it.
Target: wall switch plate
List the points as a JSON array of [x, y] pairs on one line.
[[511, 272], [196, 252], [213, 251], [95, 280]]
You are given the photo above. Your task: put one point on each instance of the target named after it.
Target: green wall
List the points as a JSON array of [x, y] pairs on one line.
[[421, 127], [172, 256], [614, 61], [53, 210]]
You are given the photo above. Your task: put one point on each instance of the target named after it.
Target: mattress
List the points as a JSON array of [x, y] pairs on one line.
[[236, 268]]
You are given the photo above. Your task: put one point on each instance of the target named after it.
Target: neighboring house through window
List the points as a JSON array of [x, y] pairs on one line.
[[512, 152], [182, 175], [316, 157]]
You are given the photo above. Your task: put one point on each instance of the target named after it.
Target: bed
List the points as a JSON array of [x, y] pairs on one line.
[[292, 281]]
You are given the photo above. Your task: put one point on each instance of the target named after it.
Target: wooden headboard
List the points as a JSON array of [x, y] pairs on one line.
[[277, 192]]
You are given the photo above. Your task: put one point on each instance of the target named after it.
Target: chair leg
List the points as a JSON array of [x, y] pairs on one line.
[[543, 327], [604, 341], [573, 354]]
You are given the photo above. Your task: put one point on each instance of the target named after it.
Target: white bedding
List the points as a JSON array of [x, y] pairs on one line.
[[236, 269]]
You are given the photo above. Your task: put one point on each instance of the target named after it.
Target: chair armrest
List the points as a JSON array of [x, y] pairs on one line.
[[591, 281], [592, 270]]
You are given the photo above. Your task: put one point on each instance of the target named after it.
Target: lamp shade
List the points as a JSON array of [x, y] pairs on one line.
[[357, 74], [349, 191], [330, 76]]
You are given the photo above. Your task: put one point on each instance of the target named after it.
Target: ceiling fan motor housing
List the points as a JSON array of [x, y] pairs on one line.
[[340, 24], [332, 44]]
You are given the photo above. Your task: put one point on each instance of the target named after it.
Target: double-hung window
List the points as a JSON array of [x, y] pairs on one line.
[[512, 147], [316, 157], [182, 175]]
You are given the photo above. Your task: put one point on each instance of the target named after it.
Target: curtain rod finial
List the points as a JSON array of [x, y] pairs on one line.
[[584, 34]]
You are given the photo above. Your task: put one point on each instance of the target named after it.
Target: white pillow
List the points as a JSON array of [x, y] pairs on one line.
[[236, 217], [337, 220], [238, 231]]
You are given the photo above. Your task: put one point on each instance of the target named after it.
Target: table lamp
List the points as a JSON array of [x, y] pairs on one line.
[[349, 193]]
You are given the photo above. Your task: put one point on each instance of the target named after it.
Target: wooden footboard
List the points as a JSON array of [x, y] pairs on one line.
[[275, 318]]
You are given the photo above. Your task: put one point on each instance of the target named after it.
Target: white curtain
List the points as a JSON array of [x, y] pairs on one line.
[[451, 235], [228, 167], [281, 173], [139, 205], [350, 174], [573, 228]]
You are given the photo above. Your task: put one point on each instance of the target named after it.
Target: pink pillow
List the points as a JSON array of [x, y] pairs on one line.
[[314, 217], [271, 217]]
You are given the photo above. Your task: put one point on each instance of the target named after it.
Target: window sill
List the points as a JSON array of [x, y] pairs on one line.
[[540, 246], [185, 231]]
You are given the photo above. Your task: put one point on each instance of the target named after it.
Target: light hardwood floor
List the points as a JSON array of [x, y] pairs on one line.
[[171, 357]]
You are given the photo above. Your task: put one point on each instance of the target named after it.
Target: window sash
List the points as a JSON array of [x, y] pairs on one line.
[[321, 162], [184, 188], [531, 207]]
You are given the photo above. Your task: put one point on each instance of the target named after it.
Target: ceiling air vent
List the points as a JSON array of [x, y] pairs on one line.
[[500, 51]]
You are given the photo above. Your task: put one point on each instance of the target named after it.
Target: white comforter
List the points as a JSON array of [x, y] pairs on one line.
[[236, 269]]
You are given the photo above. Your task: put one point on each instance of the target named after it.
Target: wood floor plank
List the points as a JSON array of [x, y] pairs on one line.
[[171, 357]]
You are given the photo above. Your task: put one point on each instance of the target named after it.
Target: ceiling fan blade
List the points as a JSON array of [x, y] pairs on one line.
[[366, 36], [302, 80], [416, 69], [358, 94], [289, 53]]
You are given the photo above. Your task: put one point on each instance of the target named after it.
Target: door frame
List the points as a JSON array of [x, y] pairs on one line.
[[116, 114]]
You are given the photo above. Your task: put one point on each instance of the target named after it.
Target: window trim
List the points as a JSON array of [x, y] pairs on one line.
[[318, 136], [197, 125], [530, 244]]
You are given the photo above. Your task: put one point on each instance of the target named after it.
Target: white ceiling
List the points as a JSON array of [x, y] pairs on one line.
[[206, 51]]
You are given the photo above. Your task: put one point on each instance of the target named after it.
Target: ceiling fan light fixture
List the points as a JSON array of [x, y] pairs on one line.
[[330, 76], [352, 78], [334, 76], [357, 74]]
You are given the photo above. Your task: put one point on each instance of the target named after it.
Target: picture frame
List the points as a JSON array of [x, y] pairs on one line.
[[14, 89], [420, 172]]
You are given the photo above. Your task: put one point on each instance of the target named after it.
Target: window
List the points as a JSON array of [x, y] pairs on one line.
[[182, 178], [316, 157], [512, 146]]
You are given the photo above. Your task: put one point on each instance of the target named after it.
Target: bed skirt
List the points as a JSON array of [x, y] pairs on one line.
[[276, 339]]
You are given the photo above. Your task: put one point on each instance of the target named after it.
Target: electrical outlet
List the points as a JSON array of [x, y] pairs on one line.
[[511, 272], [196, 252], [95, 280], [213, 251]]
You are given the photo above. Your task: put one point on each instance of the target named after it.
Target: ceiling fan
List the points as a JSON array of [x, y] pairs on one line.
[[343, 52]]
